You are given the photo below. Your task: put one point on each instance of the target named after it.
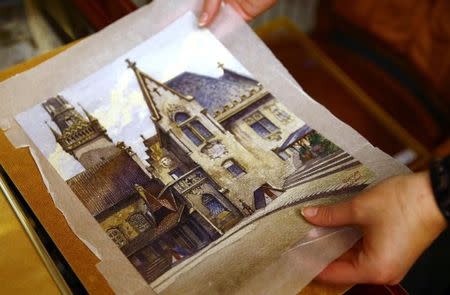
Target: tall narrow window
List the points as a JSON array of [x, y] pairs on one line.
[[213, 205], [69, 121], [50, 108], [191, 135], [201, 129], [260, 124], [193, 128], [117, 236], [260, 129], [268, 124], [233, 167]]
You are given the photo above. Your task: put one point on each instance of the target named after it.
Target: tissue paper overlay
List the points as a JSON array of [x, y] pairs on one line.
[[173, 144], [220, 171]]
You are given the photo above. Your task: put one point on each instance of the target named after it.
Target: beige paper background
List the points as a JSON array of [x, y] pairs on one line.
[[30, 88]]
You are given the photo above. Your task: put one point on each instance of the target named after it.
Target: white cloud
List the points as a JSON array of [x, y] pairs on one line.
[[113, 96], [66, 166]]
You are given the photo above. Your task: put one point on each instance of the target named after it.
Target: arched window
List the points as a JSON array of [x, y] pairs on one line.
[[212, 204], [117, 236], [181, 117], [138, 222]]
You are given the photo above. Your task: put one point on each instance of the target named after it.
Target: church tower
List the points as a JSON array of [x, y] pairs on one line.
[[83, 138]]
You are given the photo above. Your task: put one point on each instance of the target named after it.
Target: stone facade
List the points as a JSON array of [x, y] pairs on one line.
[[152, 225], [220, 152], [230, 126]]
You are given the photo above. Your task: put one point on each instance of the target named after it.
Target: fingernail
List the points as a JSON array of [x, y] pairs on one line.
[[203, 19], [309, 211]]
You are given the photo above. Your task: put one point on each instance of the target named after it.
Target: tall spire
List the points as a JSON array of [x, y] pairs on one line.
[[55, 134], [149, 99], [88, 115], [151, 88], [86, 140], [141, 192]]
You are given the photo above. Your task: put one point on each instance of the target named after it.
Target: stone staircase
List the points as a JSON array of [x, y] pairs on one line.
[[151, 271], [321, 167]]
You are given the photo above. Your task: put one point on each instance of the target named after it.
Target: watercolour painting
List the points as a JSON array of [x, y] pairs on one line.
[[174, 144]]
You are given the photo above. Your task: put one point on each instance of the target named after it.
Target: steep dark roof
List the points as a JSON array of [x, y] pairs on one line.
[[106, 184], [212, 93]]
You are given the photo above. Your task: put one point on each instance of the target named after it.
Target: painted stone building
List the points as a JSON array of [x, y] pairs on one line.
[[230, 128], [222, 149], [153, 227]]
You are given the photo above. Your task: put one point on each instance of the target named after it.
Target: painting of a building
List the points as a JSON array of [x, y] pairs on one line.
[[224, 147]]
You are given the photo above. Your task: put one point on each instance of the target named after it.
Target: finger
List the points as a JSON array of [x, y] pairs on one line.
[[332, 215], [238, 8], [209, 12], [251, 9]]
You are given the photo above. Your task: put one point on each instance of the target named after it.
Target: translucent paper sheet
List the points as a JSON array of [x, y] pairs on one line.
[[288, 255]]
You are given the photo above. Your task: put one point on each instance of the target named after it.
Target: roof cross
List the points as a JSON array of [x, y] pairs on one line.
[[131, 64]]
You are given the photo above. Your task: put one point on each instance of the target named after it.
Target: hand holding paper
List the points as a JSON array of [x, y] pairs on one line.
[[248, 9], [380, 249], [179, 165], [399, 219]]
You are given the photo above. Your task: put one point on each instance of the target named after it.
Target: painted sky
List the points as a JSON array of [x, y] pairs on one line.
[[113, 96]]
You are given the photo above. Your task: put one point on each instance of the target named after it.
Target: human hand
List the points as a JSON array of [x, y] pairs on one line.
[[248, 9], [399, 219]]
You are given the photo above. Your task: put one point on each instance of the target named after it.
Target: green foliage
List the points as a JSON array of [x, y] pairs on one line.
[[321, 145]]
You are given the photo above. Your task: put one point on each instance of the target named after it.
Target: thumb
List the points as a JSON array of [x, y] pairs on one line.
[[332, 215], [209, 12]]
